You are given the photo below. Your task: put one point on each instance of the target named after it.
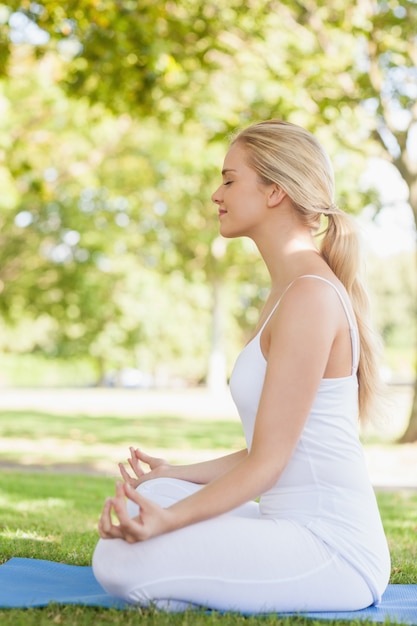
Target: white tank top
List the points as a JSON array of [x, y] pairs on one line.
[[325, 485]]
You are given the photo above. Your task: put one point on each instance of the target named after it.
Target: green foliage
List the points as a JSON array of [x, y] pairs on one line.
[[81, 212], [119, 145], [38, 370], [149, 57], [394, 298], [98, 208], [52, 259], [341, 71]]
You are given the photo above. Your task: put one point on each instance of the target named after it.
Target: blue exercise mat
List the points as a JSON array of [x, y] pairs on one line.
[[26, 583]]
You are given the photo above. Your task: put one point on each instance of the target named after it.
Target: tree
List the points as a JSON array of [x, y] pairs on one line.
[[151, 58], [81, 230], [345, 71], [89, 202], [153, 61], [392, 85], [51, 261]]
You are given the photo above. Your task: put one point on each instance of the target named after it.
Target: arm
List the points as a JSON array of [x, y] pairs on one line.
[[199, 473], [299, 349]]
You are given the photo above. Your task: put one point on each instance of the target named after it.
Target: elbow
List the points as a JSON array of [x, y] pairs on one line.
[[267, 472], [271, 479]]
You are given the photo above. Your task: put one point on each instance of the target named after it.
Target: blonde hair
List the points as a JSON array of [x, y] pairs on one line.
[[290, 156]]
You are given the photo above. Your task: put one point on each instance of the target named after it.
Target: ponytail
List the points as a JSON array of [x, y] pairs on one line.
[[341, 250]]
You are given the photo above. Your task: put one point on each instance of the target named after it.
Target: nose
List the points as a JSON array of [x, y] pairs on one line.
[[216, 196]]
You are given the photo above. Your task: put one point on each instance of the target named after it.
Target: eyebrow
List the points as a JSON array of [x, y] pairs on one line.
[[228, 170]]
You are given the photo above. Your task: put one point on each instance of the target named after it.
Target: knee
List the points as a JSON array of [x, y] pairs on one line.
[[109, 570], [167, 491]]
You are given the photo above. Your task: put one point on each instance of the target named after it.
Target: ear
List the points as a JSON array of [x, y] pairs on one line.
[[275, 196]]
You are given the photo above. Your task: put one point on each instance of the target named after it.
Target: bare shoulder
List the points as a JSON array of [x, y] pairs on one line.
[[312, 304], [303, 331], [317, 291]]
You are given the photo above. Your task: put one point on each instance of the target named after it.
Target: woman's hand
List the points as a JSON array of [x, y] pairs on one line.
[[152, 520], [156, 466]]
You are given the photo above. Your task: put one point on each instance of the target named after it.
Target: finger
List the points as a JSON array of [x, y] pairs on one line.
[[134, 463], [119, 501], [104, 519], [151, 461], [132, 529], [142, 456], [122, 490], [136, 468], [152, 519], [106, 528], [131, 493], [120, 508], [125, 475]]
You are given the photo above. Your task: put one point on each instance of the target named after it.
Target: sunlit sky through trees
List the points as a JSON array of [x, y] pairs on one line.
[[392, 230]]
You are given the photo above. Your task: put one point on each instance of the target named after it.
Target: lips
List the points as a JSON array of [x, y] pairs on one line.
[[222, 212]]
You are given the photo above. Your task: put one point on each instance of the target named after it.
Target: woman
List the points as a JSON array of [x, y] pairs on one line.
[[193, 534]]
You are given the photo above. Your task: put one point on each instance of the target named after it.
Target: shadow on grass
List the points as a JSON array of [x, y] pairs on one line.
[[50, 516]]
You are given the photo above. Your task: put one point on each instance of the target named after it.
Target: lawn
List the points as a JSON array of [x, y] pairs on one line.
[[53, 516], [93, 429]]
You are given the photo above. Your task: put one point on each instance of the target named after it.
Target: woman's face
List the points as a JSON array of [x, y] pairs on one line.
[[241, 198]]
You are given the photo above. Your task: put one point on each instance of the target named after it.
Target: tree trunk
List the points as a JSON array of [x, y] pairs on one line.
[[410, 434], [101, 371], [409, 173], [216, 375]]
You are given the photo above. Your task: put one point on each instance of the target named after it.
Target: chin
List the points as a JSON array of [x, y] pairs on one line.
[[229, 234]]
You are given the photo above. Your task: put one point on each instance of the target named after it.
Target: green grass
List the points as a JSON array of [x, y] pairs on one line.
[[58, 440], [167, 431], [54, 516], [399, 515], [50, 516], [90, 616]]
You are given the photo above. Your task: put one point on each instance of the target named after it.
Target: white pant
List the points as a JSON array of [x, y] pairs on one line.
[[235, 562]]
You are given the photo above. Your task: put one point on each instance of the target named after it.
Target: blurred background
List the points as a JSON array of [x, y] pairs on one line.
[[117, 296]]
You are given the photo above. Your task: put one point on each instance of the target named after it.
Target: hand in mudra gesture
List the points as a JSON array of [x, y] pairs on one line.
[[137, 457], [152, 520]]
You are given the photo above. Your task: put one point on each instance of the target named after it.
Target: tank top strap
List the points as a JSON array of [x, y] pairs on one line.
[[354, 336], [329, 282], [274, 308]]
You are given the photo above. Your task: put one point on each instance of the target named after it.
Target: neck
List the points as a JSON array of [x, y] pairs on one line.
[[287, 257]]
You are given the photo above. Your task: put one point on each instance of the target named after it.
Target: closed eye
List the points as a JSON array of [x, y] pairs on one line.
[[228, 182]]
